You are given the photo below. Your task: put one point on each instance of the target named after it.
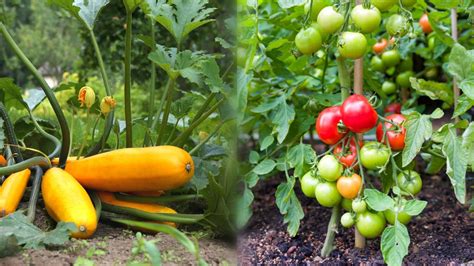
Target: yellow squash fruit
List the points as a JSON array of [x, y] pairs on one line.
[[12, 191], [134, 169], [67, 201]]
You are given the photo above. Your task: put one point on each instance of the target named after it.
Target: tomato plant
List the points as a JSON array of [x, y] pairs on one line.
[[357, 114], [395, 133], [327, 194], [327, 125], [370, 224]]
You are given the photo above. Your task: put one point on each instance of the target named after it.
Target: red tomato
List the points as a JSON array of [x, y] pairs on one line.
[[357, 114], [394, 108], [425, 24], [326, 125], [350, 155], [380, 46], [396, 139]]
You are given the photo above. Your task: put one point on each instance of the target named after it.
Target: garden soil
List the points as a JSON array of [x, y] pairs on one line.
[[442, 235]]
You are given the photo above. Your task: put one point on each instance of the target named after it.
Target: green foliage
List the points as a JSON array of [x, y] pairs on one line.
[[394, 243], [16, 230]]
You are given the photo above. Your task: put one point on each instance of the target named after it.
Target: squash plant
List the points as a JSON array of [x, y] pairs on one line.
[[295, 63], [191, 111]]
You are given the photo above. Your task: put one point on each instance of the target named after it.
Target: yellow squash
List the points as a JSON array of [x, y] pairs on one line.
[[134, 169], [109, 198], [12, 191], [67, 201]]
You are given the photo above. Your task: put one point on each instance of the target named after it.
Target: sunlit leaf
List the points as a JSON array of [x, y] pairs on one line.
[[456, 163], [289, 206], [394, 243]]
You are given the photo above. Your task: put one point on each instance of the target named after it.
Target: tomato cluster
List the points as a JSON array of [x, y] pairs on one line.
[[334, 180]]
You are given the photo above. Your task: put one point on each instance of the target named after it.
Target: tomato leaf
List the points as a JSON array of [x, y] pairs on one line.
[[414, 207], [377, 200], [464, 104], [30, 236], [244, 208], [467, 86], [456, 163], [435, 164], [282, 118], [267, 141], [290, 3], [301, 157], [468, 143], [434, 90], [419, 129], [264, 167], [289, 206], [460, 62], [394, 243]]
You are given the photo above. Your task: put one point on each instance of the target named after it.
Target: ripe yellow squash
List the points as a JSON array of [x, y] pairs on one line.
[[12, 191], [67, 201], [134, 169]]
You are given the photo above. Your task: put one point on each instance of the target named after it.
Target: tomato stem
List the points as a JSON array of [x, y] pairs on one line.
[[10, 133], [331, 231]]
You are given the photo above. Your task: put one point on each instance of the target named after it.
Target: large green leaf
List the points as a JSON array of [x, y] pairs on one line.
[[434, 90], [377, 200], [464, 104], [419, 129], [460, 62], [11, 94], [282, 118], [467, 86], [85, 11], [264, 167], [394, 243], [468, 144], [301, 158], [456, 163], [443, 4], [289, 206]]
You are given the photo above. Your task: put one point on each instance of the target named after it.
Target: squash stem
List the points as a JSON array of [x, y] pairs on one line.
[[166, 113], [66, 141], [10, 133], [57, 143], [152, 88], [38, 160], [158, 200], [84, 140], [128, 80], [168, 86], [35, 191], [198, 147], [97, 203]]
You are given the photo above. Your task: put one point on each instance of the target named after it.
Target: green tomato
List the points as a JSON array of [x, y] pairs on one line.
[[370, 225], [330, 20], [431, 73], [346, 204], [359, 205], [390, 71], [308, 184], [324, 35], [431, 43], [408, 3], [410, 181], [406, 65], [329, 168], [389, 87], [374, 155], [308, 41], [366, 19], [376, 64], [403, 217], [391, 58], [383, 5], [352, 45], [317, 6], [403, 79], [327, 194], [347, 220], [397, 25]]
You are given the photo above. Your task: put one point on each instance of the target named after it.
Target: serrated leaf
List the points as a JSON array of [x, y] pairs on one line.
[[419, 129], [282, 118], [460, 62], [155, 8], [456, 163], [11, 94], [301, 157], [210, 69], [184, 17], [264, 167], [464, 104], [89, 9], [289, 206], [467, 86], [468, 143], [434, 90], [414, 207], [377, 200], [394, 243]]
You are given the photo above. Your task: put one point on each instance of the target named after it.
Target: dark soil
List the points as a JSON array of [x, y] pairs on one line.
[[112, 245], [442, 235]]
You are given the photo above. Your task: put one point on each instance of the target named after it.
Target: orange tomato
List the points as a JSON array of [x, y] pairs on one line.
[[425, 24], [349, 186], [3, 161], [380, 46]]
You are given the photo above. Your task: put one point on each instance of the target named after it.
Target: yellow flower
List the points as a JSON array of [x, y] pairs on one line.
[[107, 104], [86, 96], [65, 76]]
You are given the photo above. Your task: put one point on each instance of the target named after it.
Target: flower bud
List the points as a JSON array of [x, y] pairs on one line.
[[107, 104], [86, 96]]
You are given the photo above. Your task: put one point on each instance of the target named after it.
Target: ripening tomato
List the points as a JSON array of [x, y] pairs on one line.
[[352, 45], [425, 24], [330, 20], [327, 125], [359, 205], [410, 181], [308, 41], [394, 108], [366, 19], [348, 157], [383, 5], [349, 186], [380, 46], [327, 195], [396, 137], [308, 184], [374, 155], [397, 25], [370, 225], [357, 114]]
